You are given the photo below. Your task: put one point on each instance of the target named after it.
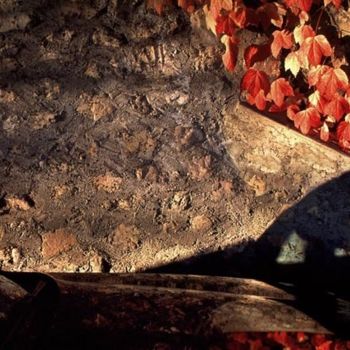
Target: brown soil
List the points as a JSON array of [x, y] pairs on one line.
[[120, 148]]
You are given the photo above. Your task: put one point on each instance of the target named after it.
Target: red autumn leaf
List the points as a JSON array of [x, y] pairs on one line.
[[158, 5], [292, 110], [256, 53], [239, 337], [271, 13], [230, 56], [280, 88], [225, 25], [318, 101], [281, 39], [327, 345], [225, 4], [318, 339], [240, 15], [343, 133], [255, 344], [324, 133], [321, 342], [217, 5], [282, 338], [303, 32], [296, 99], [303, 5], [332, 80], [259, 100], [254, 80], [337, 107], [307, 119], [316, 73], [187, 5], [303, 17], [292, 62], [315, 48], [336, 3], [301, 337], [347, 95], [209, 19]]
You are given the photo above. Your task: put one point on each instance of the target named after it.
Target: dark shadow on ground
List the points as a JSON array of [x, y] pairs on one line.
[[313, 234], [307, 247]]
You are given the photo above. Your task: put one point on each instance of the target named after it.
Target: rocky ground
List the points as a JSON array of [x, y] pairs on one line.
[[122, 147]]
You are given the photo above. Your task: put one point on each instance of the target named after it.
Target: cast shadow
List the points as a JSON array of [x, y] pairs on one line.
[[305, 250]]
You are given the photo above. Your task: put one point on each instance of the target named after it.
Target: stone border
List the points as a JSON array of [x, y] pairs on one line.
[[261, 146]]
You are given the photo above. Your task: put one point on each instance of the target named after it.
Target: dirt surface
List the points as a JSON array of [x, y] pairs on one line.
[[120, 146]]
